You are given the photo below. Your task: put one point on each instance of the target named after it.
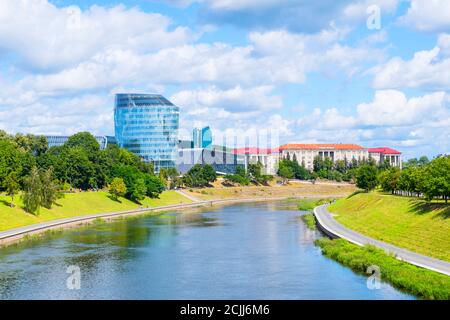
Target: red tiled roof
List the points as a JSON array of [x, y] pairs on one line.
[[384, 150], [254, 150], [319, 146]]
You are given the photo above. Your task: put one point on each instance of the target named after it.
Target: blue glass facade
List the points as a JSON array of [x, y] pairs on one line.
[[202, 138], [103, 141], [147, 125]]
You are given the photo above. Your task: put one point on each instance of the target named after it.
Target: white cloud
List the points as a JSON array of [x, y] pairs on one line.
[[392, 108], [60, 116], [428, 15], [50, 38], [271, 58], [416, 125], [426, 69]]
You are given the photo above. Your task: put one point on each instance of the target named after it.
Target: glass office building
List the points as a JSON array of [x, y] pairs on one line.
[[103, 141], [147, 125]]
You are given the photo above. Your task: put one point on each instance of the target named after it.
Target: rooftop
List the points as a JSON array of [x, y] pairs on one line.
[[384, 150], [320, 146], [255, 150]]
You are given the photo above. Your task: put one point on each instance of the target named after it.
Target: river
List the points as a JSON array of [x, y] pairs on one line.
[[246, 251]]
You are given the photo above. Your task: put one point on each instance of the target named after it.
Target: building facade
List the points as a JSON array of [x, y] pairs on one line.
[[221, 158], [103, 141], [305, 153], [386, 155], [147, 125], [202, 138], [269, 158]]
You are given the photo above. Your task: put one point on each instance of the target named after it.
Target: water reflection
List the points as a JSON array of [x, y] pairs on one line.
[[249, 251]]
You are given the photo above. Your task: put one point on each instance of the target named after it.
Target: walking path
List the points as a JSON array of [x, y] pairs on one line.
[[334, 229], [187, 195]]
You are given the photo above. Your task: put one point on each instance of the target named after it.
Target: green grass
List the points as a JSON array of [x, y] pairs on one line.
[[77, 204], [420, 282], [310, 204], [309, 220], [405, 222]]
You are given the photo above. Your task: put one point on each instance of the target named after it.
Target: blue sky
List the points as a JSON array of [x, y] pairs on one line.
[[311, 71]]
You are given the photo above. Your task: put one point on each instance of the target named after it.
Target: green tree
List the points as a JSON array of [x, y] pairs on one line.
[[12, 186], [49, 188], [389, 179], [366, 177], [117, 188], [10, 161], [209, 173], [32, 194], [154, 185], [85, 141], [138, 190], [437, 179], [78, 168], [286, 172]]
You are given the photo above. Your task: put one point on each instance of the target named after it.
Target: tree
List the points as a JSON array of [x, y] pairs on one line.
[[36, 145], [134, 181], [32, 194], [12, 186], [117, 188], [199, 176], [209, 173], [10, 161], [78, 168], [286, 172], [138, 190], [85, 141], [366, 177], [49, 188], [437, 179], [389, 179], [154, 185]]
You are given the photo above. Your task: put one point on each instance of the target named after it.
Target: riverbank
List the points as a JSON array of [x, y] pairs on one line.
[[76, 205], [408, 223], [418, 281], [292, 189], [14, 235]]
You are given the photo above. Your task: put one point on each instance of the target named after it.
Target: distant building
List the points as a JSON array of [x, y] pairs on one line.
[[147, 125], [385, 154], [103, 141], [185, 144], [202, 138], [305, 153], [223, 159], [269, 158]]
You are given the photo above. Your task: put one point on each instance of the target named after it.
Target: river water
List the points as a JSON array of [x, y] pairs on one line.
[[246, 251]]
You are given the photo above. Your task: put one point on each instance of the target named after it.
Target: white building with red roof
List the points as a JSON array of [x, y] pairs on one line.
[[385, 154], [268, 157], [305, 153]]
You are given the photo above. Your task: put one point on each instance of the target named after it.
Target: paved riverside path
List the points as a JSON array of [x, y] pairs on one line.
[[187, 195], [334, 229]]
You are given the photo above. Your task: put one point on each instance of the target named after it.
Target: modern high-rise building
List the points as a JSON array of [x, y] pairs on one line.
[[147, 125], [202, 138]]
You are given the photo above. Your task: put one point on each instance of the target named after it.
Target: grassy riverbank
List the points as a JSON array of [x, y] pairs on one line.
[[405, 222], [420, 282], [77, 204]]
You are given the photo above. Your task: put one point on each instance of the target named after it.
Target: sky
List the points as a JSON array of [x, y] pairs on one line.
[[370, 72]]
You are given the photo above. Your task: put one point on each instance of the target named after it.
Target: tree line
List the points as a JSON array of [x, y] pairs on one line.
[[430, 179], [28, 166], [325, 168]]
